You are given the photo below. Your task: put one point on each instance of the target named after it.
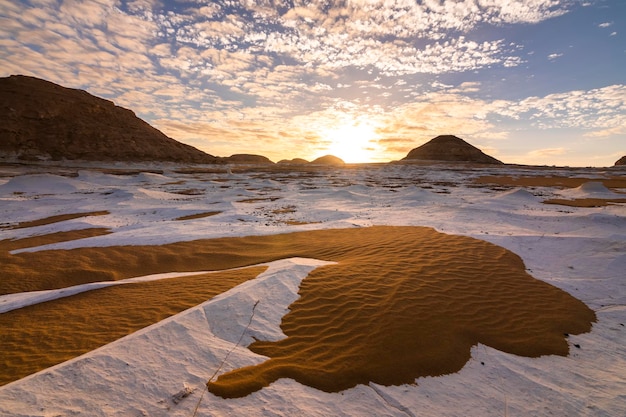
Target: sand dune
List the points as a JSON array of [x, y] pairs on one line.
[[39, 336], [401, 302]]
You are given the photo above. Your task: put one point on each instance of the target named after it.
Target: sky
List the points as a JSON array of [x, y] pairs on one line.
[[539, 82]]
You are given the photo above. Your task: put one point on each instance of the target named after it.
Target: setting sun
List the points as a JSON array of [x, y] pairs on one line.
[[353, 142]]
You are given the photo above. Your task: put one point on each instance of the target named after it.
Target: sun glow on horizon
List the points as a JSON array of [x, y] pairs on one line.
[[353, 142]]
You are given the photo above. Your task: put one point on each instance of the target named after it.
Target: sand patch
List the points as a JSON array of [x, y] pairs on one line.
[[42, 335], [54, 269], [292, 222], [285, 210], [189, 191], [586, 202], [57, 219], [258, 199], [8, 245], [198, 215], [402, 302], [544, 181]]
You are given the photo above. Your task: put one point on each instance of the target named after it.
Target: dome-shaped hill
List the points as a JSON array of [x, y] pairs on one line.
[[449, 148], [328, 160], [294, 161], [244, 158]]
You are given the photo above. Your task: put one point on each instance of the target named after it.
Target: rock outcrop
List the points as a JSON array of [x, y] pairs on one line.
[[294, 161], [621, 161], [41, 120], [449, 148], [244, 158], [328, 160]]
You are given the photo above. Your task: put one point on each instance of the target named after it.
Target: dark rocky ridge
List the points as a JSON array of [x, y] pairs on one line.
[[449, 148], [244, 158], [43, 120], [621, 161]]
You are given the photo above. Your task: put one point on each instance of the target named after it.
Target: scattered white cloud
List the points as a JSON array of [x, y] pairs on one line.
[[547, 152], [467, 87], [598, 109], [277, 73]]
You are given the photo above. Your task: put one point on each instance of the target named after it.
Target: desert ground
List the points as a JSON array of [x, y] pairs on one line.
[[383, 289]]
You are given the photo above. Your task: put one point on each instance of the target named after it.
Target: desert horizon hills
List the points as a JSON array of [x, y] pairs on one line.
[[41, 120]]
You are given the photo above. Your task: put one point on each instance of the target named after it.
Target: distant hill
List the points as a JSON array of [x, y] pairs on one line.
[[328, 160], [621, 161], [294, 161], [244, 158], [449, 148], [43, 120]]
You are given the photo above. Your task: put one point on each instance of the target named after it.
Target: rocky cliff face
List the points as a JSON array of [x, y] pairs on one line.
[[621, 161], [42, 120], [449, 148]]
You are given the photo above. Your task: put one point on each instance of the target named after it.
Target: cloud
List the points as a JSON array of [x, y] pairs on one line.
[[547, 152], [596, 109], [618, 128], [362, 34], [605, 24], [261, 73], [554, 56], [467, 87], [253, 53]]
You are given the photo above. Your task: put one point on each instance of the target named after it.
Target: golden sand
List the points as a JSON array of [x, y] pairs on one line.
[[407, 302], [586, 202], [42, 335], [198, 215], [402, 302], [48, 239], [543, 181], [58, 218]]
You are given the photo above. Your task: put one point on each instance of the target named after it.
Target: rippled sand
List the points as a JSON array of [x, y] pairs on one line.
[[42, 335], [401, 302], [407, 302]]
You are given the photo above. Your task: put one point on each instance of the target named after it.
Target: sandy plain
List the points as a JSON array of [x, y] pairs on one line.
[[400, 301]]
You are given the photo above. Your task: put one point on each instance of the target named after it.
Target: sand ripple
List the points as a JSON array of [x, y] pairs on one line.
[[401, 303], [409, 302], [41, 335]]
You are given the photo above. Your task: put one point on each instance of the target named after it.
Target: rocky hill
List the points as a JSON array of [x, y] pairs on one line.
[[294, 161], [621, 161], [449, 148], [42, 120], [328, 160], [244, 158]]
